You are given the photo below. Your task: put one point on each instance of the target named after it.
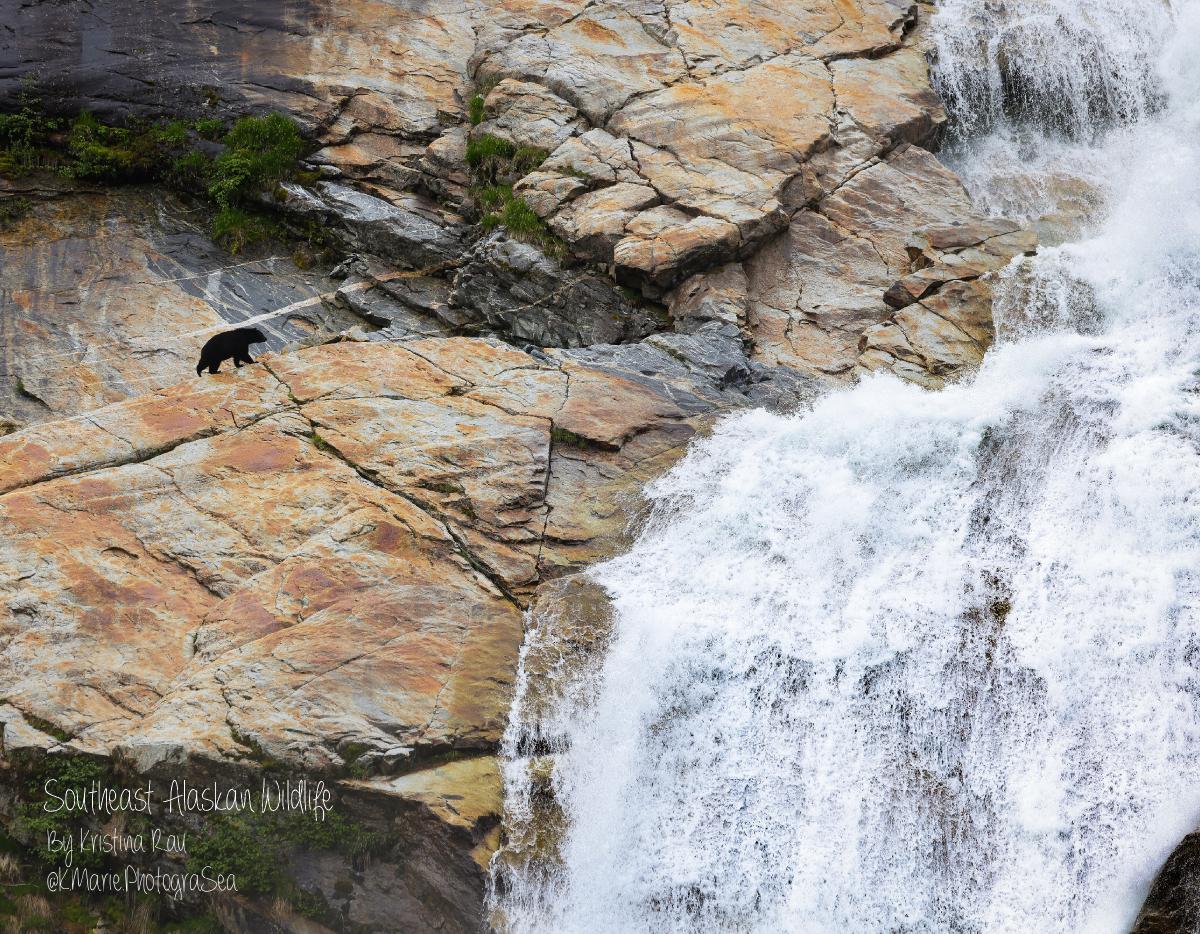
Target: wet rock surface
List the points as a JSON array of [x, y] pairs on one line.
[[1173, 904]]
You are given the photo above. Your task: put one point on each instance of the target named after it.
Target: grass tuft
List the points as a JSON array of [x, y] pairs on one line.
[[475, 110]]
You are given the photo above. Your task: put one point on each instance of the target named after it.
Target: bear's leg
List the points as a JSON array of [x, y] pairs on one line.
[[214, 366]]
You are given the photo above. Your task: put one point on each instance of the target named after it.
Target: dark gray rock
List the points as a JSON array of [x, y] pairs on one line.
[[403, 308], [517, 292], [154, 57], [715, 350], [413, 235], [1173, 905]]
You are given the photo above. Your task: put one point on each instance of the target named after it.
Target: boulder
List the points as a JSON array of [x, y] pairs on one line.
[[527, 114], [1173, 904]]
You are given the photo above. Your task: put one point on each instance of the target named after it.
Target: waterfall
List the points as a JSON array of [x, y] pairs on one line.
[[921, 661]]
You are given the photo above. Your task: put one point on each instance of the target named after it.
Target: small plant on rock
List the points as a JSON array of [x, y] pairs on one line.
[[475, 110]]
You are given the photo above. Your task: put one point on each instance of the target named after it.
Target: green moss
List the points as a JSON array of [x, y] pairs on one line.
[[321, 444], [351, 754], [254, 847], [38, 723], [475, 110], [257, 753], [563, 436], [235, 229], [23, 391]]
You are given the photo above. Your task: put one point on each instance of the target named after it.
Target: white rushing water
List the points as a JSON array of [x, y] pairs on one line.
[[916, 661]]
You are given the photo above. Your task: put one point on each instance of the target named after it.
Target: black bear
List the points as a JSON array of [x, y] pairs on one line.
[[229, 345]]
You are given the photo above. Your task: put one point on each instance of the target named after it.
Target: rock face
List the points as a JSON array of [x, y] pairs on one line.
[[1173, 905], [901, 229], [319, 559], [515, 289], [104, 296], [322, 561]]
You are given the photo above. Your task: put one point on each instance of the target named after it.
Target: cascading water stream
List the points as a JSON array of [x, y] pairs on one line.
[[915, 661]]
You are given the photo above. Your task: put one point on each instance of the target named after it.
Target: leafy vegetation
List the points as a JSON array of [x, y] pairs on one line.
[[259, 153], [254, 848], [210, 128], [492, 157], [25, 134], [500, 207], [106, 153], [32, 822], [235, 229]]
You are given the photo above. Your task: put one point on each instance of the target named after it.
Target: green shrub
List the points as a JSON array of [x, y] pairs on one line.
[[98, 151], [260, 152], [191, 172], [32, 822], [233, 178], [109, 153], [253, 847], [25, 133], [168, 134], [209, 128], [237, 845]]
